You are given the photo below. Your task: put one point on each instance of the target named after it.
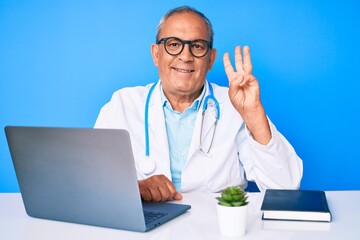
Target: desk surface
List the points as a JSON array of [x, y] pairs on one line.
[[200, 222]]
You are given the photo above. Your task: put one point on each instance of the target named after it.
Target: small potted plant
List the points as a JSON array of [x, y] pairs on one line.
[[232, 211]]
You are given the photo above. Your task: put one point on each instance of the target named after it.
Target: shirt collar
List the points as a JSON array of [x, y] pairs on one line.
[[194, 106]]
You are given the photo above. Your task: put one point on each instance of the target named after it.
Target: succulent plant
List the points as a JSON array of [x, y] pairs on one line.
[[233, 197]]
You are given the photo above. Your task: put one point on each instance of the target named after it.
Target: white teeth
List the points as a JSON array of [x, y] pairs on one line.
[[183, 70]]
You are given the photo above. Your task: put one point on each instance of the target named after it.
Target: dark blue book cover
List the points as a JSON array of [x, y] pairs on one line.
[[305, 205]]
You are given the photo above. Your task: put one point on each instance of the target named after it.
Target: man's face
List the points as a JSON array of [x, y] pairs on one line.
[[183, 76]]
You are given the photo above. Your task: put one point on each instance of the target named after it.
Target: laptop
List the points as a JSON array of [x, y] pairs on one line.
[[85, 176]]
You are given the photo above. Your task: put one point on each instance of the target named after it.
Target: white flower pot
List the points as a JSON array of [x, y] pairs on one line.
[[232, 220]]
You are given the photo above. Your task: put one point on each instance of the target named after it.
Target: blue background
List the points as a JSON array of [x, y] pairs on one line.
[[60, 61]]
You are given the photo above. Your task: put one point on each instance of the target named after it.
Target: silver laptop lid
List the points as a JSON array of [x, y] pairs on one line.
[[77, 175]]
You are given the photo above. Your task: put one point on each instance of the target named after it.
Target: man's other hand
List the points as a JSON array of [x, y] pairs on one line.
[[158, 188]]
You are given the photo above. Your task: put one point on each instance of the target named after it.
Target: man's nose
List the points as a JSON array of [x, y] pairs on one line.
[[186, 54]]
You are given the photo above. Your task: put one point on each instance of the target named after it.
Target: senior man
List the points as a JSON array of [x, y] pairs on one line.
[[189, 134]]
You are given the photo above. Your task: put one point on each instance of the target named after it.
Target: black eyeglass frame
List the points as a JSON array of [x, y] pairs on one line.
[[183, 42]]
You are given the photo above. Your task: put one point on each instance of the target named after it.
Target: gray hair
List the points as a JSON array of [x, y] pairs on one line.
[[185, 9]]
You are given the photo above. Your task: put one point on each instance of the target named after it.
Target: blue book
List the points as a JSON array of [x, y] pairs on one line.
[[297, 205]]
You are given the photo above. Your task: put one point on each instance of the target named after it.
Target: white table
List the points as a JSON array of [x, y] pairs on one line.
[[200, 222]]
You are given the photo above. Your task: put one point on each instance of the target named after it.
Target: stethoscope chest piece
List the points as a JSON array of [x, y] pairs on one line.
[[147, 166]]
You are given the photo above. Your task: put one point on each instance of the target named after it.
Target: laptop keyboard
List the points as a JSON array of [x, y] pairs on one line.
[[151, 216]]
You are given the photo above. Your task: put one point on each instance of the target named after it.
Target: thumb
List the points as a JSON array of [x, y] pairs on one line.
[[177, 196]]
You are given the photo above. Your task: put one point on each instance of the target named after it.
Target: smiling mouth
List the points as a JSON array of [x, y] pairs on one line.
[[183, 70]]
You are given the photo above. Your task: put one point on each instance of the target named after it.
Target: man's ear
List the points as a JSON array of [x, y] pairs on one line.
[[213, 53], [155, 53]]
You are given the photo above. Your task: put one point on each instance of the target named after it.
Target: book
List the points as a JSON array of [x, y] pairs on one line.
[[297, 205]]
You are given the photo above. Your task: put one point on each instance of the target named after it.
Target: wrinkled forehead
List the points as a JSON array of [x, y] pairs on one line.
[[187, 25]]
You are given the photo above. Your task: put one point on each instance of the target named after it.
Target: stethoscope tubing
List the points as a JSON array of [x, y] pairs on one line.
[[146, 120], [147, 147]]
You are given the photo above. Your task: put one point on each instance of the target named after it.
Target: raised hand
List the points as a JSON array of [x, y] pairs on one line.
[[244, 93], [244, 90]]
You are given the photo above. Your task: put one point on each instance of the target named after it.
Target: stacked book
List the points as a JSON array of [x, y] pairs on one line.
[[297, 205]]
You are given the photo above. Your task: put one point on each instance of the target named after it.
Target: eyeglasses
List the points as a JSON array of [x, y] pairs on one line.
[[174, 46]]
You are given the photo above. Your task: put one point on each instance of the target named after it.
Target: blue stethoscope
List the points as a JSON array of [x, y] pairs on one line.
[[148, 165]]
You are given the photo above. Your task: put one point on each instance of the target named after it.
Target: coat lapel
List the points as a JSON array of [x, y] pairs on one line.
[[203, 129], [159, 146]]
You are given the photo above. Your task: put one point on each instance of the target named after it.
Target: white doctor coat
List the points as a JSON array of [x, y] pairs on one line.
[[235, 157]]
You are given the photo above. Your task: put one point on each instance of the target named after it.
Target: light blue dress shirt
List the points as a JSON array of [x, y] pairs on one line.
[[180, 128]]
